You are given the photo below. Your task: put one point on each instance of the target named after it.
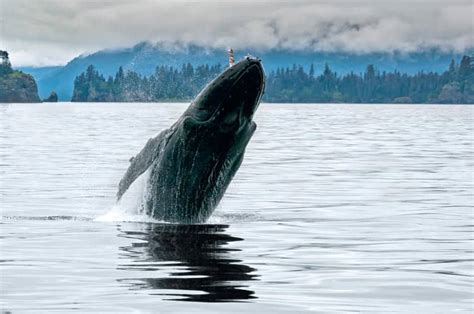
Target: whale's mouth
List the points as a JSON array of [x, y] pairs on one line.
[[253, 91], [239, 106], [237, 91]]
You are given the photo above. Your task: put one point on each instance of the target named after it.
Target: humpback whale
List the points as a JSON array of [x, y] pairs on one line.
[[190, 165]]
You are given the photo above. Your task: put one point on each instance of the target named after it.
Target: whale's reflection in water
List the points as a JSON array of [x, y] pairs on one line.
[[185, 262]]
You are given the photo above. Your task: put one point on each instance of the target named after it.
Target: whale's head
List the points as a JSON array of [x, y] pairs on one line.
[[229, 102]]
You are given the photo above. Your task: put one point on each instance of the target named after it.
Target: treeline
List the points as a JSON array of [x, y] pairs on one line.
[[292, 84], [166, 84], [456, 85]]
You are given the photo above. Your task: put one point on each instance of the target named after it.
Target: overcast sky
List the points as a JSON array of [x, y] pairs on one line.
[[47, 32]]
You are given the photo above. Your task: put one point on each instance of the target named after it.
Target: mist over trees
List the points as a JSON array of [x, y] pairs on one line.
[[290, 84]]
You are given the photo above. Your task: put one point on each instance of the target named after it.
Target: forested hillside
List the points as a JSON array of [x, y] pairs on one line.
[[291, 84], [15, 86]]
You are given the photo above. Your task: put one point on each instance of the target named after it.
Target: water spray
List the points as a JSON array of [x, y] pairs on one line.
[[230, 53]]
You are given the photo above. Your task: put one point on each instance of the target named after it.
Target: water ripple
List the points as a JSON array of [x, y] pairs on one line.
[[336, 208]]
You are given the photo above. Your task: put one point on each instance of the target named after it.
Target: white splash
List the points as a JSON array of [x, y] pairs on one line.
[[131, 205]]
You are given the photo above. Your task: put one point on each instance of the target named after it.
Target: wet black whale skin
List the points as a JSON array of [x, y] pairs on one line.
[[191, 164]]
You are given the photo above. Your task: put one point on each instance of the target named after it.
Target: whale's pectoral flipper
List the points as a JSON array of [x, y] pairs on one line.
[[141, 162]]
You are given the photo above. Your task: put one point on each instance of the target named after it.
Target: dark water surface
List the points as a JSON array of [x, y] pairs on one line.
[[363, 208]]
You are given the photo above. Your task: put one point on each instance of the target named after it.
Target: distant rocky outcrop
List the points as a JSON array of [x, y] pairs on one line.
[[53, 97], [15, 86]]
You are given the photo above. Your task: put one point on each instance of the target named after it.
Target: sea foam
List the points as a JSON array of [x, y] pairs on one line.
[[131, 205]]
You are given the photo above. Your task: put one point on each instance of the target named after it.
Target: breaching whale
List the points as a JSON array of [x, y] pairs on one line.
[[190, 165]]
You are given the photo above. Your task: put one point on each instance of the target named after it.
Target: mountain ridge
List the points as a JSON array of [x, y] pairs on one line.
[[144, 57]]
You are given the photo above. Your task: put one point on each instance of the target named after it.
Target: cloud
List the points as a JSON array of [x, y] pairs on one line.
[[54, 31]]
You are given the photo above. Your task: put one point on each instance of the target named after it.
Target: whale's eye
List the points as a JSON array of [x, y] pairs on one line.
[[231, 118]]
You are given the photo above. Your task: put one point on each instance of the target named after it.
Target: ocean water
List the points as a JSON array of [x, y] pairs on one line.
[[336, 208]]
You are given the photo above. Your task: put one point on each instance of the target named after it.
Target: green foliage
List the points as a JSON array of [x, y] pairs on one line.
[[291, 84], [5, 69], [456, 85], [5, 65], [15, 86], [166, 84]]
